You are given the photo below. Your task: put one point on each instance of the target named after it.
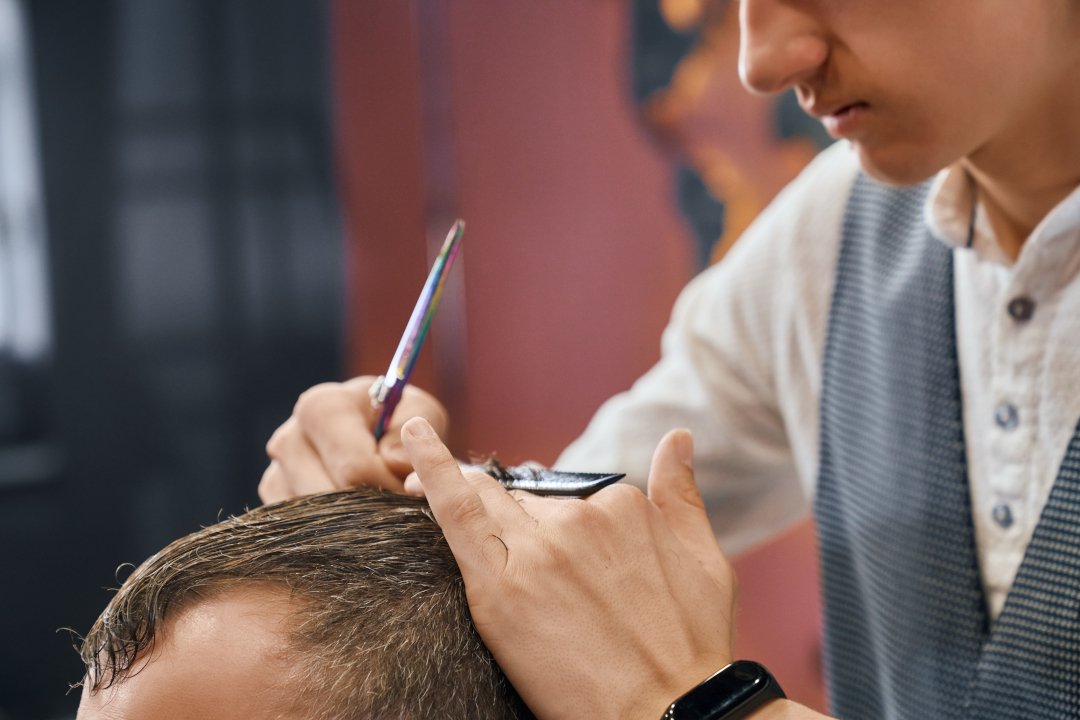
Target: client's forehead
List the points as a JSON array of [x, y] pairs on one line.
[[218, 659]]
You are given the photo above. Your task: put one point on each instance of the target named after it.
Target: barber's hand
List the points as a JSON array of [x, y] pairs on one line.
[[327, 443], [609, 607]]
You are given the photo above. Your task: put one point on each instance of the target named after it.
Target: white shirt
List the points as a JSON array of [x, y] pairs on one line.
[[742, 359]]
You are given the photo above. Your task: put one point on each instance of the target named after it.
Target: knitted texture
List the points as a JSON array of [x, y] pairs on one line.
[[906, 630]]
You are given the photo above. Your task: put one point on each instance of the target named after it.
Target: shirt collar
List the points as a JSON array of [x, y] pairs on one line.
[[948, 215], [948, 206]]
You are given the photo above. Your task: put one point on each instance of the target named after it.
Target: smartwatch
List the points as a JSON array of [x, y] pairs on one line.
[[732, 692]]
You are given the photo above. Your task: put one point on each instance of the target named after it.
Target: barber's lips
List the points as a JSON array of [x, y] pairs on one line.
[[846, 121]]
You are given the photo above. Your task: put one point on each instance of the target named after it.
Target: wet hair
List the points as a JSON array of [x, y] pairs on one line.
[[381, 627]]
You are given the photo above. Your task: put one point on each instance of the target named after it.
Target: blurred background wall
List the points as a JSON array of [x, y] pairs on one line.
[[193, 253], [601, 153], [214, 204]]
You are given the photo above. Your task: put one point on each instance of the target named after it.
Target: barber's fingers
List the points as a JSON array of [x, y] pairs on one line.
[[672, 489], [474, 513], [272, 486], [277, 484], [412, 485], [335, 419], [295, 468], [414, 403]]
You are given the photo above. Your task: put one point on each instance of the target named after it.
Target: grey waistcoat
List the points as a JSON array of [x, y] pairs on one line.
[[906, 629]]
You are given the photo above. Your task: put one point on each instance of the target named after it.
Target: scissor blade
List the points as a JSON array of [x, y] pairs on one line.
[[544, 481], [387, 390], [416, 330]]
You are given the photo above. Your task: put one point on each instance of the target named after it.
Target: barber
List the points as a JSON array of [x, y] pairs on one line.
[[906, 358]]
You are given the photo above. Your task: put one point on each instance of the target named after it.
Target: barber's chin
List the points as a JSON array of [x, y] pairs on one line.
[[898, 166]]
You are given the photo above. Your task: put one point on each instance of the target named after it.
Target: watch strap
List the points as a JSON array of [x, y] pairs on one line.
[[731, 693]]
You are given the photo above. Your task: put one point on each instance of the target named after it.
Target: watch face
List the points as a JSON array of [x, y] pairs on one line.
[[730, 693]]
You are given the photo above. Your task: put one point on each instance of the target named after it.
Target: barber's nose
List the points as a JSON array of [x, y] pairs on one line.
[[780, 45]]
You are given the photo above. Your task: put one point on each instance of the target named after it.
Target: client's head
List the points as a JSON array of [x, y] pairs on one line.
[[335, 606]]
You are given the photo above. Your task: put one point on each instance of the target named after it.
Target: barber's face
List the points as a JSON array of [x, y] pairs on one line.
[[222, 659], [917, 84]]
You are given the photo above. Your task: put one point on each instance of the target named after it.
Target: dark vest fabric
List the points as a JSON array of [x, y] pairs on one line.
[[907, 634]]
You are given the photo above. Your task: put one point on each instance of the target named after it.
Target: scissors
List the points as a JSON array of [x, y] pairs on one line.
[[387, 389]]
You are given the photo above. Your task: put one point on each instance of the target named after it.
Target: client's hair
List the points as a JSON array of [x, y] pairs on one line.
[[381, 626]]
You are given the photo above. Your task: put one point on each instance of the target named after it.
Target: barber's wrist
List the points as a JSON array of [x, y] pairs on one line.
[[737, 691], [781, 709], [649, 699]]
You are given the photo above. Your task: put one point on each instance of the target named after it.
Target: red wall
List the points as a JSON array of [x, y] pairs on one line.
[[575, 251], [516, 116]]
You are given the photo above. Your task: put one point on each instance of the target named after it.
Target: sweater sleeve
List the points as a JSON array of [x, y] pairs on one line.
[[740, 366]]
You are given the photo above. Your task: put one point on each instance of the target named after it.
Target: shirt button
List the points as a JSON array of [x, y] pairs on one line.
[[1006, 416], [1021, 308], [1003, 516]]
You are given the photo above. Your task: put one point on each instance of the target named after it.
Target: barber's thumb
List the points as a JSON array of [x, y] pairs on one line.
[[673, 489]]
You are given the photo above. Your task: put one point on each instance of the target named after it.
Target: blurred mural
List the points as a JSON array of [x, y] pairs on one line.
[[170, 280], [734, 152]]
